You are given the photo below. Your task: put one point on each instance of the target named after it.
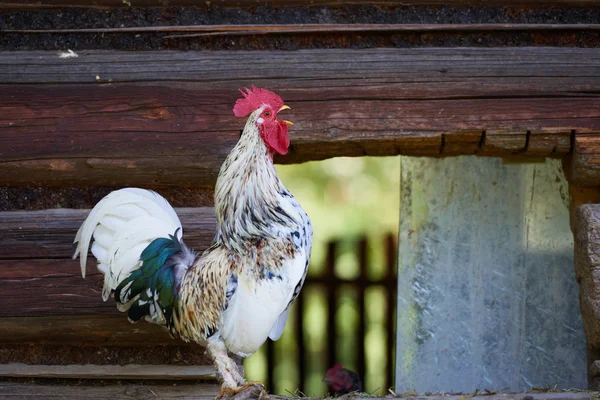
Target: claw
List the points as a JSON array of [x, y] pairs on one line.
[[229, 392], [225, 391], [252, 383]]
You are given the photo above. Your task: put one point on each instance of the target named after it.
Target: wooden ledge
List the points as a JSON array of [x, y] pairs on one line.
[[176, 31], [123, 391], [16, 4], [89, 371], [92, 329]]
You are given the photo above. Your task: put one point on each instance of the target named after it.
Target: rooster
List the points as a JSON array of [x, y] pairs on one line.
[[238, 292], [342, 380]]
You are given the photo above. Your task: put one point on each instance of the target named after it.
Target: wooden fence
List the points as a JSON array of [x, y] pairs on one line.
[[333, 284]]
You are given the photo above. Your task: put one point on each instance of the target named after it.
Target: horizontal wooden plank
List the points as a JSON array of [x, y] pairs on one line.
[[548, 143], [49, 234], [91, 371], [159, 118], [13, 390], [172, 353], [498, 141], [264, 29], [583, 165], [16, 4], [27, 198], [93, 329], [51, 287]]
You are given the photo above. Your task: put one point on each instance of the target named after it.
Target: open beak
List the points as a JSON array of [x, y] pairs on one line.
[[284, 107]]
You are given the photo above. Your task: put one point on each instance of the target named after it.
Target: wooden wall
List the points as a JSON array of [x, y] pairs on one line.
[[164, 118], [518, 80]]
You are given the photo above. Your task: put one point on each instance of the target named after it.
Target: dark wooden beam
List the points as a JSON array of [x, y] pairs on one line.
[[160, 118], [547, 143], [91, 371], [265, 29], [51, 287], [85, 329], [280, 3], [583, 165], [118, 391], [171, 353]]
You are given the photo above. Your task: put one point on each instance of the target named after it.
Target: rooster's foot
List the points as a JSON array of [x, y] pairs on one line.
[[227, 369], [250, 390]]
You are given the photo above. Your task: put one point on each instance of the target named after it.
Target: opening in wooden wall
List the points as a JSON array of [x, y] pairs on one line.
[[353, 204]]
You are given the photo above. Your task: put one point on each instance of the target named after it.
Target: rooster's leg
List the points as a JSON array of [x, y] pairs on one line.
[[239, 362], [226, 367]]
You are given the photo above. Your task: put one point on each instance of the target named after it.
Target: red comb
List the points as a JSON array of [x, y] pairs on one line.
[[255, 98], [335, 368]]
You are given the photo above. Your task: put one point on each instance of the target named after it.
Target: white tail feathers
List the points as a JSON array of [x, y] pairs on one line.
[[122, 225]]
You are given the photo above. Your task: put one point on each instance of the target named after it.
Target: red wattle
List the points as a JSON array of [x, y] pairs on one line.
[[276, 136]]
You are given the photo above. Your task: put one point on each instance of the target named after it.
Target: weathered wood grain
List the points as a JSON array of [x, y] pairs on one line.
[[548, 143], [504, 141], [158, 118], [27, 198], [91, 371], [49, 234], [279, 3], [12, 390], [583, 165], [178, 31], [51, 287], [171, 353], [86, 329], [460, 143]]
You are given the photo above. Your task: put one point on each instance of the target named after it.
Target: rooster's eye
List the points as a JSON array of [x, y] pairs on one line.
[[267, 113]]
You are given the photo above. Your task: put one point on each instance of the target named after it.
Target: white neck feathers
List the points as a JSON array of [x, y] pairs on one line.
[[247, 191]]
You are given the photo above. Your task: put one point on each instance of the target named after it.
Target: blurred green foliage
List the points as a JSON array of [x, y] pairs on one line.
[[346, 198]]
